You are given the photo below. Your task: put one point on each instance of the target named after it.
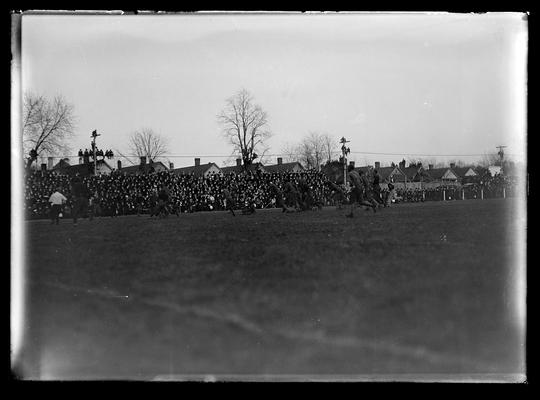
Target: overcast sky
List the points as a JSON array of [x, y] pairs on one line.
[[434, 84]]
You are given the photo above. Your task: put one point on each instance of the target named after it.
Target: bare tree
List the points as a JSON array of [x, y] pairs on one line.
[[427, 161], [47, 126], [289, 152], [436, 163], [244, 124], [262, 155], [119, 154], [146, 143], [313, 150], [330, 147], [490, 159]]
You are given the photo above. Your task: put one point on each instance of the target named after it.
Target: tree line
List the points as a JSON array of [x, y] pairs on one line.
[[49, 125]]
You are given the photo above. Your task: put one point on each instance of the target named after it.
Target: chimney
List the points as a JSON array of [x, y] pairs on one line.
[[377, 165], [197, 162], [44, 167], [171, 165], [402, 164], [452, 165], [279, 160], [351, 163], [143, 160], [430, 166], [119, 164], [238, 162], [50, 162]]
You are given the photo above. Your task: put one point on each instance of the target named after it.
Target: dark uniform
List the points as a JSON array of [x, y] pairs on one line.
[[249, 208], [163, 201], [139, 203], [291, 194], [278, 194], [338, 194], [369, 193], [154, 203], [360, 187], [357, 191], [306, 197], [94, 208], [377, 187], [79, 200], [229, 202]]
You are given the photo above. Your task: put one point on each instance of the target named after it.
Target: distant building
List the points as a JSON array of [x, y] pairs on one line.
[[481, 171], [282, 167], [390, 175], [387, 175], [102, 168], [415, 176], [239, 168], [199, 170], [466, 174], [143, 167], [494, 170], [63, 163], [443, 177], [366, 169]]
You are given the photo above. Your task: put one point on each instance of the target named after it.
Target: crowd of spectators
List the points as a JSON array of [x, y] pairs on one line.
[[493, 186], [122, 194]]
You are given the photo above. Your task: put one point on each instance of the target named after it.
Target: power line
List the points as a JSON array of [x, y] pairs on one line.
[[286, 154], [419, 155]]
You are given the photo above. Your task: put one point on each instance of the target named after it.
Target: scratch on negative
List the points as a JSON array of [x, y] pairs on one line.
[[317, 336]]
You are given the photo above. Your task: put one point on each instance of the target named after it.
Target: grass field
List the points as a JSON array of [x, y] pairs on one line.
[[414, 289]]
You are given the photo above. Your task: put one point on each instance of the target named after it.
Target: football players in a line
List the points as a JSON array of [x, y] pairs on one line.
[[278, 195], [360, 185]]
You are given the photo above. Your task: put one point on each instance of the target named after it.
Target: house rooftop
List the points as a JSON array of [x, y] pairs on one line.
[[283, 167], [144, 168], [81, 169], [461, 171], [197, 170], [437, 173], [364, 169], [384, 172], [238, 169], [410, 172]]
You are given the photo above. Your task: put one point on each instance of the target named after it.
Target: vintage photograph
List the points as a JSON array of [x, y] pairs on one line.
[[269, 196]]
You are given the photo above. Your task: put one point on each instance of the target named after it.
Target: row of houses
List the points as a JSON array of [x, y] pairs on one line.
[[198, 169], [401, 176], [416, 176]]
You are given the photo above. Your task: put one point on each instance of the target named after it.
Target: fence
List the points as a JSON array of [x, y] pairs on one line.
[[455, 193]]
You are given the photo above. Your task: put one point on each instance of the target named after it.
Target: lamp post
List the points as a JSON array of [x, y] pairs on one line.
[[345, 150]]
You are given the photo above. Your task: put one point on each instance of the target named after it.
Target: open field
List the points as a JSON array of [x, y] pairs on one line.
[[423, 288]]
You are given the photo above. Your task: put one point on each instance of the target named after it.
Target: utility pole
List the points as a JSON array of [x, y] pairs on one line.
[[345, 150], [94, 136], [501, 155]]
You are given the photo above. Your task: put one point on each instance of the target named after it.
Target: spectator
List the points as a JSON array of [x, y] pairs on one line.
[[57, 200]]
